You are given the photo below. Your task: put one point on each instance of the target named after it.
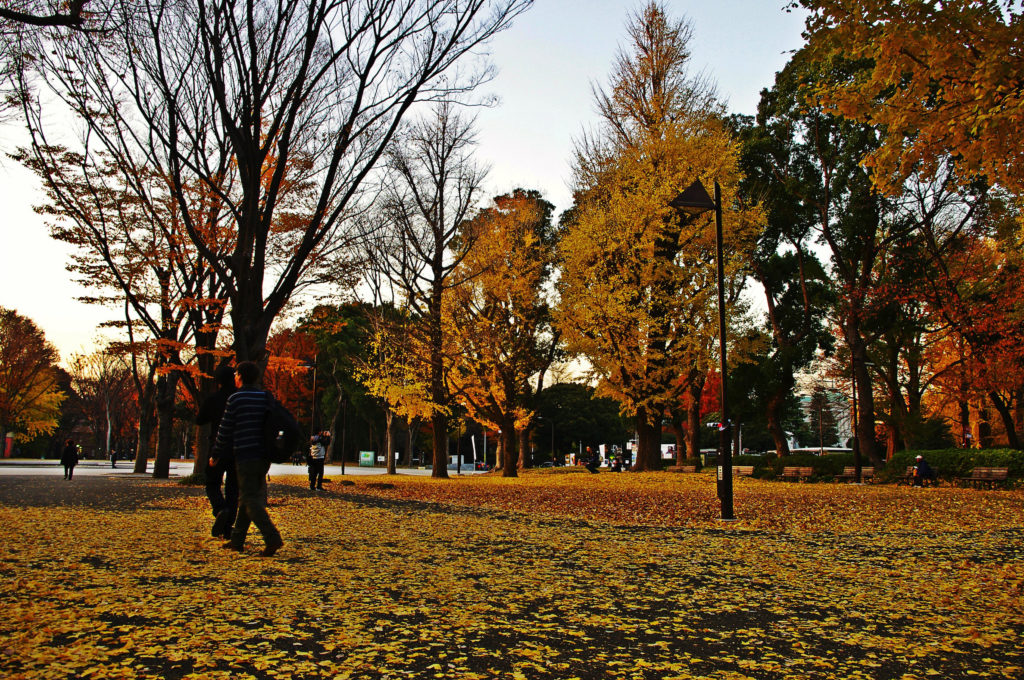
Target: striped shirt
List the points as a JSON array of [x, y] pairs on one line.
[[241, 429]]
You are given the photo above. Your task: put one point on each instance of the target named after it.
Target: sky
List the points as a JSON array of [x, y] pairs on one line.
[[547, 64]]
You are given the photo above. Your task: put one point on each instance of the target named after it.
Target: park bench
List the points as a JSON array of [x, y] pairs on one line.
[[797, 473], [987, 476], [849, 473], [743, 470], [681, 468]]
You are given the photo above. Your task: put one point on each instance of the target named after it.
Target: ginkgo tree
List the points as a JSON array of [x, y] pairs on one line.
[[637, 282], [497, 320], [30, 398]]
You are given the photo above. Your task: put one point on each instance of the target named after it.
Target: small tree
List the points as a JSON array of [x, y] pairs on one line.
[[30, 398]]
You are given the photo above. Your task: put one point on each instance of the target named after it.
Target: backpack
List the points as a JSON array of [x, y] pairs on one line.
[[281, 432]]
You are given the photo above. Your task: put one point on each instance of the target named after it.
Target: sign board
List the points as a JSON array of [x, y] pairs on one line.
[[366, 459]]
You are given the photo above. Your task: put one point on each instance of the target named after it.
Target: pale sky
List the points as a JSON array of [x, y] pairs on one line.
[[547, 63]]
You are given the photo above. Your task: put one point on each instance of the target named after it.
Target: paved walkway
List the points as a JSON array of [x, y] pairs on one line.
[[178, 468]]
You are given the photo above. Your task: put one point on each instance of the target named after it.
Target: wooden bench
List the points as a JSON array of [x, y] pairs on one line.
[[797, 473], [907, 477], [849, 473], [681, 468], [743, 470], [987, 476]]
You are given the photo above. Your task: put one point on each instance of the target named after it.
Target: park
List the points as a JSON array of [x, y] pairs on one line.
[[558, 574], [601, 367]]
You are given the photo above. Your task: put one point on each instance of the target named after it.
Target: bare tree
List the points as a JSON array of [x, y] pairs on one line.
[[45, 13], [431, 192], [299, 93]]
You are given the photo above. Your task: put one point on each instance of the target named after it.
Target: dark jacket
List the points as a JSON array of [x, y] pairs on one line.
[[241, 428], [924, 470], [212, 410], [69, 456]]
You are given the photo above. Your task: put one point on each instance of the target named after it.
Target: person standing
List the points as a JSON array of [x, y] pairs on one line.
[[317, 455], [224, 505], [69, 458], [241, 434]]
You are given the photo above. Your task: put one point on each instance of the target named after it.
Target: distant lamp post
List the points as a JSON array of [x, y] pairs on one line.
[[694, 200], [312, 410], [857, 463]]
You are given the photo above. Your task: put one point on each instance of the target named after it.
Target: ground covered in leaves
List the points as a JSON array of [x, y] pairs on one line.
[[547, 576]]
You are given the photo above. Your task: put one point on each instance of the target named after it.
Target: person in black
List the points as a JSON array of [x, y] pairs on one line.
[[223, 505], [923, 472], [69, 458], [241, 433], [593, 461]]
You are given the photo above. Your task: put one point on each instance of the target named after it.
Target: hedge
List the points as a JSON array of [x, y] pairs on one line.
[[948, 463], [951, 463]]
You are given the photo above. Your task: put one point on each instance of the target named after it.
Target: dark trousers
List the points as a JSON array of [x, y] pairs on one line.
[[68, 471], [316, 473], [252, 503], [224, 505]]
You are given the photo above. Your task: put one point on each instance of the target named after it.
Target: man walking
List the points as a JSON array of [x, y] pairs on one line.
[[241, 433], [224, 505]]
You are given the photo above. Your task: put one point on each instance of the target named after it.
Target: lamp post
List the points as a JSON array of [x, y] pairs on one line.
[[856, 440], [694, 200]]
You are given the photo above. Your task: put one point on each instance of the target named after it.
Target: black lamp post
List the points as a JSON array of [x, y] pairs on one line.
[[857, 462], [694, 200]]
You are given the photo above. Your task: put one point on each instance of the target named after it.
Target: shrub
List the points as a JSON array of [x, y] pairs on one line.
[[951, 463]]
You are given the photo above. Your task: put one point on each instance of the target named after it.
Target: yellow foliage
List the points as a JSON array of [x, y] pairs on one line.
[[549, 576], [946, 80]]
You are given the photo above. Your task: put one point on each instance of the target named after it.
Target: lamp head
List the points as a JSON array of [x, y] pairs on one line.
[[693, 200]]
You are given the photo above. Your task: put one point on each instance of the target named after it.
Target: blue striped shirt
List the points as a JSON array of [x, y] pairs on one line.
[[241, 429]]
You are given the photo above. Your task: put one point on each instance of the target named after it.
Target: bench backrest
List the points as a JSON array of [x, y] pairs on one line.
[[990, 472], [797, 471], [851, 470], [743, 469]]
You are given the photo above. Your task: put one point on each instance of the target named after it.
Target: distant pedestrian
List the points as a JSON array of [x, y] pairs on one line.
[[113, 458], [241, 433], [69, 458], [317, 456], [923, 472], [592, 461], [224, 505]]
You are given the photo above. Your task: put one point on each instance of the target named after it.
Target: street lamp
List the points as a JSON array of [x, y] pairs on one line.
[[856, 439], [694, 200]]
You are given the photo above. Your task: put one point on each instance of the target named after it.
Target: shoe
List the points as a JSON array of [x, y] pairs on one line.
[[231, 546], [271, 549], [319, 488], [219, 528]]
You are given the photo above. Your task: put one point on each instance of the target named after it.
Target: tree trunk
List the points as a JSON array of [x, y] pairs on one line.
[[336, 450], [1012, 440], [525, 454], [147, 423], [166, 387], [410, 437], [508, 443], [679, 429], [648, 443], [773, 407], [439, 425], [389, 441], [892, 436], [693, 419], [965, 424]]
